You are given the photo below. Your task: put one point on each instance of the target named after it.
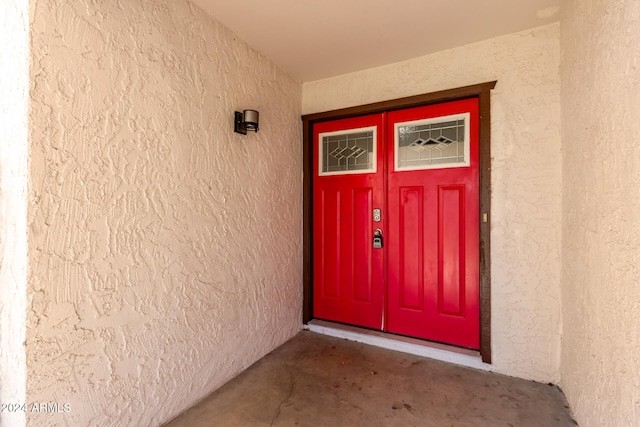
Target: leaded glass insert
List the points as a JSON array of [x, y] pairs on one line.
[[347, 152], [432, 143]]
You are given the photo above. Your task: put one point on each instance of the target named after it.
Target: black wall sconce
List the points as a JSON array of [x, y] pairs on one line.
[[247, 120]]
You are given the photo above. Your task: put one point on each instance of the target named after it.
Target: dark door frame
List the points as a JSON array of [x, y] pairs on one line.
[[481, 91]]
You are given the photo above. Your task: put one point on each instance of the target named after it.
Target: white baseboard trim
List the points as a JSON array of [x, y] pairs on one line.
[[416, 347]]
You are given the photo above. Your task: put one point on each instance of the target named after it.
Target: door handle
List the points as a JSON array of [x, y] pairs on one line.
[[377, 239]]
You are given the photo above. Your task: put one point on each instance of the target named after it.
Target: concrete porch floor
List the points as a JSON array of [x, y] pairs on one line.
[[315, 380]]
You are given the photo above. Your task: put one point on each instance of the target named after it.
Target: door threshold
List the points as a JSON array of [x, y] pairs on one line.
[[442, 352]]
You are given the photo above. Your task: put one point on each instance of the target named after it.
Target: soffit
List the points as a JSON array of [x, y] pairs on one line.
[[313, 39]]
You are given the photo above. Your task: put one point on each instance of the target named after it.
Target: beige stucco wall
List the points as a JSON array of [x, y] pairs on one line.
[[14, 96], [601, 210], [526, 176], [164, 249]]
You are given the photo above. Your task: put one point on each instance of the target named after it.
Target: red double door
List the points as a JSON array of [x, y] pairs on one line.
[[396, 222]]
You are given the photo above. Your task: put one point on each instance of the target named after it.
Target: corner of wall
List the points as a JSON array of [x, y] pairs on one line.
[[14, 87], [601, 204]]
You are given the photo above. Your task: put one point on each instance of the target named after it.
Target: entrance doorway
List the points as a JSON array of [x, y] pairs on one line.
[[397, 232], [396, 222]]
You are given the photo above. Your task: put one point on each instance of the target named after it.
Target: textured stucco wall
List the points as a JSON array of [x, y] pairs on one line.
[[526, 176], [600, 42], [14, 95], [164, 249]]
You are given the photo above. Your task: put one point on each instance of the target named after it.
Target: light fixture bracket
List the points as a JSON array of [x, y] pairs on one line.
[[245, 121]]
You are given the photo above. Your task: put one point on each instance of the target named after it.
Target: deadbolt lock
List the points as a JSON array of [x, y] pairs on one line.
[[377, 217]]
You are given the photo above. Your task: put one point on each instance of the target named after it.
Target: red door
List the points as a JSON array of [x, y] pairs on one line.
[[349, 277], [433, 216], [423, 177]]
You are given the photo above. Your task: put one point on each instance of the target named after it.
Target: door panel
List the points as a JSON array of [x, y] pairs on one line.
[[349, 274], [411, 248], [331, 249], [451, 283], [362, 271]]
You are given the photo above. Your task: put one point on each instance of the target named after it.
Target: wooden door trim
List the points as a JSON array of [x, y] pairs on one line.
[[481, 91]]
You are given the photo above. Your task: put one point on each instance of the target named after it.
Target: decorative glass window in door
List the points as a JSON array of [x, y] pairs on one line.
[[441, 142], [347, 152]]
